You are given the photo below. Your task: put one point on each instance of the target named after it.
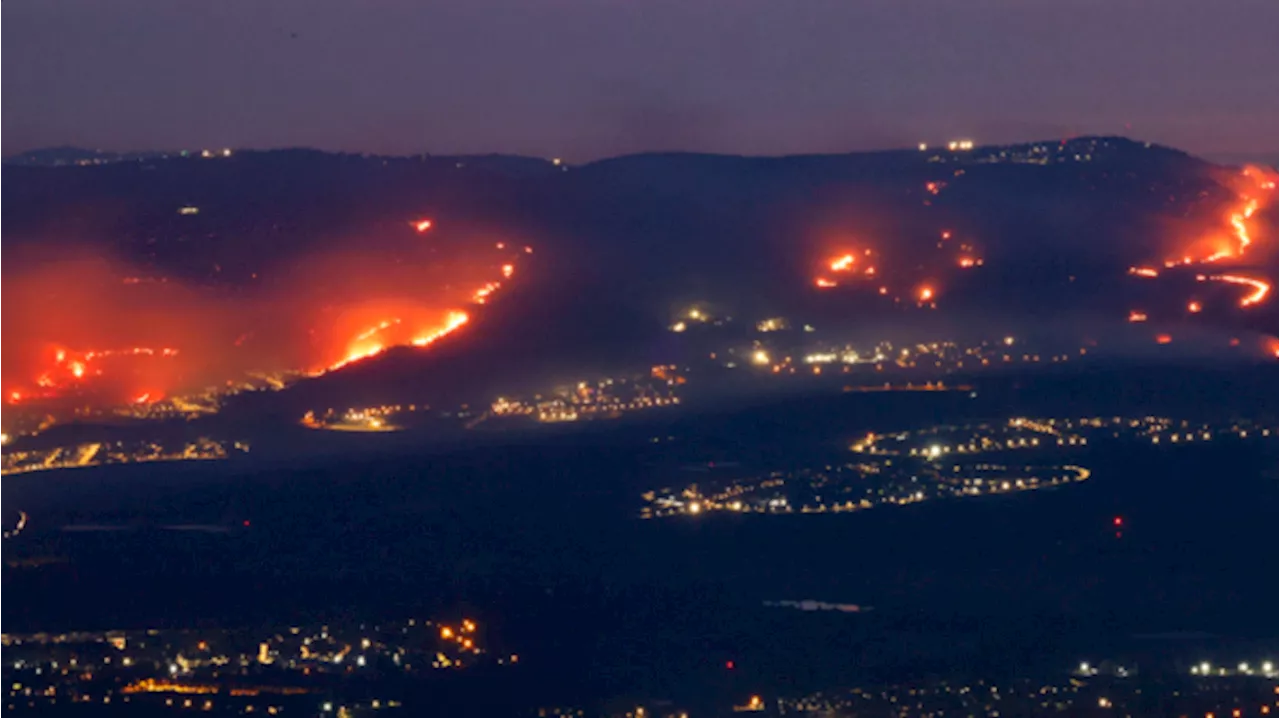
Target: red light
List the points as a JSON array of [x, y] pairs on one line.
[[1117, 521], [246, 523], [729, 665]]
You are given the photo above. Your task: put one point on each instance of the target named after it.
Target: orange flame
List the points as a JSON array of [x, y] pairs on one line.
[[362, 348], [1238, 217], [452, 322], [842, 264], [1260, 288], [482, 294]]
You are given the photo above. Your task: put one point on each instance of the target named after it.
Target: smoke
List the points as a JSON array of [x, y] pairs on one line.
[[77, 321]]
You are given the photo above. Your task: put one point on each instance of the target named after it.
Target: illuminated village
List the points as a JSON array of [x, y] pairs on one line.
[[907, 467], [117, 452], [1107, 688], [285, 670]]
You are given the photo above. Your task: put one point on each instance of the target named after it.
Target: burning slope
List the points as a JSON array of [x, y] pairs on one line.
[[1255, 190], [1259, 289], [76, 329], [1234, 241]]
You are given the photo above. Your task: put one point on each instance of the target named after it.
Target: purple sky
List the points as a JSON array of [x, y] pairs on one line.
[[587, 78]]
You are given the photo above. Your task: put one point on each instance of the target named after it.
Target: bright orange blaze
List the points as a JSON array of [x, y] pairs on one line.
[[824, 283], [362, 347], [357, 305], [1260, 288], [1163, 339], [1137, 316], [842, 264], [452, 322], [376, 339], [1258, 186], [482, 294], [966, 262], [1144, 272], [1194, 307], [71, 368], [926, 294]]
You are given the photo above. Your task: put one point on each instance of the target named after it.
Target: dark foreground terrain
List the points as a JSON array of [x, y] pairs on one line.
[[540, 541]]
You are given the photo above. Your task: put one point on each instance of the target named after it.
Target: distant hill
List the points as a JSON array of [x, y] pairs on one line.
[[81, 157], [78, 156], [622, 243]]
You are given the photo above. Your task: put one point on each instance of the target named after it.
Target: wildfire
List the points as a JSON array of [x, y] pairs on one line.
[[1257, 185], [382, 326], [1237, 220], [108, 343], [843, 264], [1260, 288], [70, 368], [846, 263], [362, 348], [1254, 189], [452, 322], [482, 294], [926, 294]]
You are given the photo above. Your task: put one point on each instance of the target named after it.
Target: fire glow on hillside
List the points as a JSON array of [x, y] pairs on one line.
[[110, 341], [1255, 189]]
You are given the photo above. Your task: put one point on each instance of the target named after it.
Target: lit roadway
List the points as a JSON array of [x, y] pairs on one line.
[[7, 533]]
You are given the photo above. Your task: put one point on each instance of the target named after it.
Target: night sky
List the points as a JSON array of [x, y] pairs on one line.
[[582, 79]]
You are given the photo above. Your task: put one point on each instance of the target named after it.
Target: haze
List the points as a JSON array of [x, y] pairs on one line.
[[582, 79]]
